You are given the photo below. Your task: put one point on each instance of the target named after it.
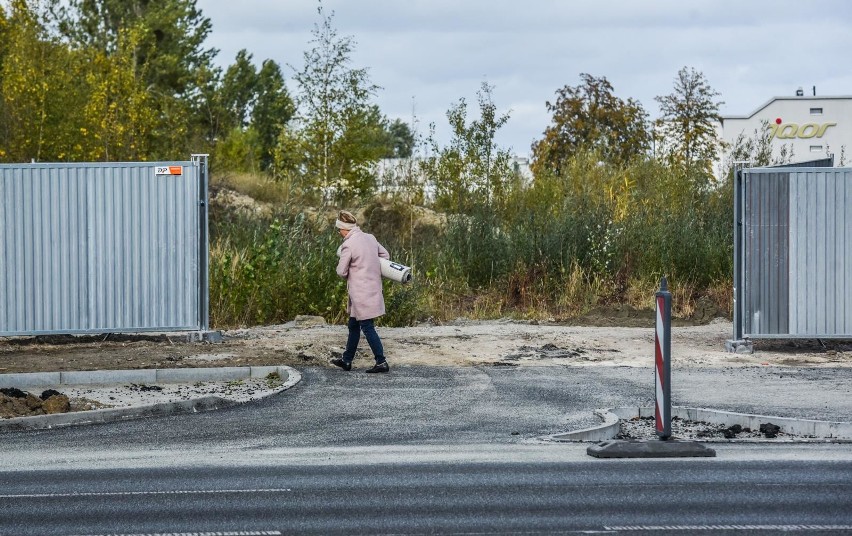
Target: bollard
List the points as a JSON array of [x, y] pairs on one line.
[[662, 362], [666, 447]]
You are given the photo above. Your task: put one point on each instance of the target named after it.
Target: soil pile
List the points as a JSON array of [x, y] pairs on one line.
[[17, 403]]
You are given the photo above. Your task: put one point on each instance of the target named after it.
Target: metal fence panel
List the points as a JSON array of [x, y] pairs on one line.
[[106, 247], [821, 253], [793, 253], [766, 263]]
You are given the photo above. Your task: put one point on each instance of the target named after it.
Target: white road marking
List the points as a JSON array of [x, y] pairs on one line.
[[142, 493], [690, 528], [230, 533]]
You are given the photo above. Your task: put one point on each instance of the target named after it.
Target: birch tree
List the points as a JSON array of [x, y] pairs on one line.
[[686, 132], [333, 110]]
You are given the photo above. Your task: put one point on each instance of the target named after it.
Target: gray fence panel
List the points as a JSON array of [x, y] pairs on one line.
[[766, 249], [821, 253], [793, 253], [92, 248]]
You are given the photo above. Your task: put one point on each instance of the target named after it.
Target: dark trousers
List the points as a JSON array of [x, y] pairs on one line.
[[355, 329]]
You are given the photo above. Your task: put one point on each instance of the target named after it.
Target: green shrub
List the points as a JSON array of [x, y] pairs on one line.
[[267, 271], [595, 234]]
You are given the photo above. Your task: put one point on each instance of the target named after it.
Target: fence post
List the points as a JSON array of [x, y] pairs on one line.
[[662, 362], [201, 160]]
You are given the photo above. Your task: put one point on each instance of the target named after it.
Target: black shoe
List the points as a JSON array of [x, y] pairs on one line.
[[379, 367], [341, 363]]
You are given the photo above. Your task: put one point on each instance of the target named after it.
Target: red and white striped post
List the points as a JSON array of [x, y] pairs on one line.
[[662, 362]]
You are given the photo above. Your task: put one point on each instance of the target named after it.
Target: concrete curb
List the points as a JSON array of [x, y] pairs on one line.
[[91, 377], [289, 375], [812, 431], [608, 429]]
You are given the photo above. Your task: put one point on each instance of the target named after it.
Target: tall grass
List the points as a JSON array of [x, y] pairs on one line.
[[268, 270], [596, 235]]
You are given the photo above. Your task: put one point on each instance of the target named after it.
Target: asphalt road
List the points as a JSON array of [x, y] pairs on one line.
[[460, 405], [464, 498], [434, 450]]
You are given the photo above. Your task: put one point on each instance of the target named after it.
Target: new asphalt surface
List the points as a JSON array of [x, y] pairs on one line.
[[433, 450], [460, 404]]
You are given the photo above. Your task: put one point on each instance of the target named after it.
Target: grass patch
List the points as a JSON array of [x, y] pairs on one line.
[[258, 187], [594, 239]]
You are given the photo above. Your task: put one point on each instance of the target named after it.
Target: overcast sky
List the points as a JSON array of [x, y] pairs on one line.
[[426, 54]]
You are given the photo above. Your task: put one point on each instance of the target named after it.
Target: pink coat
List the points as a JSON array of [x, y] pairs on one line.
[[359, 265]]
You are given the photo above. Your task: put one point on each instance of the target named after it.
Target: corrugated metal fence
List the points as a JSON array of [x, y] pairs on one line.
[[103, 247], [793, 253]]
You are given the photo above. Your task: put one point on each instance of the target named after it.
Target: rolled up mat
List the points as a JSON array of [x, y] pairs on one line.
[[395, 271]]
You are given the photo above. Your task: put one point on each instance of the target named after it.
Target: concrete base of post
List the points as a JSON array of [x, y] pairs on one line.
[[635, 448], [204, 336], [739, 346]]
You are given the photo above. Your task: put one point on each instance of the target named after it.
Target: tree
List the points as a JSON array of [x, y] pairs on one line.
[[4, 35], [171, 41], [251, 109], [238, 151], [4, 31], [333, 110], [228, 103], [589, 117], [4, 113], [238, 91], [40, 86], [472, 170], [167, 55], [119, 111], [400, 139], [755, 150], [105, 80], [686, 130], [273, 109]]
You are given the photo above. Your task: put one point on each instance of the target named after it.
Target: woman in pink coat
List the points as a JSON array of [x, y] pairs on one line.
[[359, 265]]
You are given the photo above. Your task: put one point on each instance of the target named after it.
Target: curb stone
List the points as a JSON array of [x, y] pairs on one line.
[[811, 431], [90, 377], [289, 375]]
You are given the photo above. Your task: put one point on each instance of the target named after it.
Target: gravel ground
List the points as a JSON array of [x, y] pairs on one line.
[[119, 396], [638, 428]]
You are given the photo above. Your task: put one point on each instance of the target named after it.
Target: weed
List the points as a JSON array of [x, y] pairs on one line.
[[273, 380], [595, 235]]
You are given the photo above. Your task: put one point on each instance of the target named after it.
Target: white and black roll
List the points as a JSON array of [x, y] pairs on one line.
[[395, 271]]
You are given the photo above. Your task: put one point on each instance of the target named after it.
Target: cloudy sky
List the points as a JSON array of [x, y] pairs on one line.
[[427, 54]]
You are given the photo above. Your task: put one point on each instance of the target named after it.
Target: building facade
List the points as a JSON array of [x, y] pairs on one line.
[[801, 127]]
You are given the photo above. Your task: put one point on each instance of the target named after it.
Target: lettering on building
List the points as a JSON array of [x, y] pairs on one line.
[[789, 131]]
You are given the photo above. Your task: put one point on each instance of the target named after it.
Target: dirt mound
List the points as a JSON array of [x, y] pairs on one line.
[[625, 315], [226, 198], [17, 403], [616, 316]]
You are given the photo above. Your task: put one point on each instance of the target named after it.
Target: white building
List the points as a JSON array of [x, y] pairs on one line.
[[812, 127]]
